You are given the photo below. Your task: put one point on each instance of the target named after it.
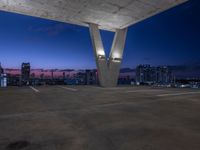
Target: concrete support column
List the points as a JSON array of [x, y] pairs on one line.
[[108, 69]]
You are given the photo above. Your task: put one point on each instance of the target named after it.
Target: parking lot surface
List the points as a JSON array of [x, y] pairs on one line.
[[95, 118]]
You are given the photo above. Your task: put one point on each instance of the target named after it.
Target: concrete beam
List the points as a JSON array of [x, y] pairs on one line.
[[108, 14], [108, 69]]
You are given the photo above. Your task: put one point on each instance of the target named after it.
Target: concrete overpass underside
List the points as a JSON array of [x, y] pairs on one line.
[[111, 15]]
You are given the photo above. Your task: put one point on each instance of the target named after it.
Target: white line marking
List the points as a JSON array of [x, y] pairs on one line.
[[34, 89], [67, 88], [178, 94], [150, 90]]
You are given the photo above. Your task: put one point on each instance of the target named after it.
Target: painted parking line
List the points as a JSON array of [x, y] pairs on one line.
[[177, 94], [149, 90], [34, 89], [69, 89]]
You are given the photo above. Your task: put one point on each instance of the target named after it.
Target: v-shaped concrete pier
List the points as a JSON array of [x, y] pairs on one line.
[[108, 69]]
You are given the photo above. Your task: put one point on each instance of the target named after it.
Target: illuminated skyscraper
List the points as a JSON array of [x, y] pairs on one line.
[[25, 73], [151, 75], [143, 73], [164, 75], [3, 77]]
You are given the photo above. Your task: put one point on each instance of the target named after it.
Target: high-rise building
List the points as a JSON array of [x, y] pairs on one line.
[[91, 77], [52, 75], [164, 75], [3, 77], [151, 75], [143, 73], [64, 74], [1, 69], [3, 80], [25, 73]]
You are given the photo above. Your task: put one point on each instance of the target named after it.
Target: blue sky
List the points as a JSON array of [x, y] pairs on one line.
[[170, 38]]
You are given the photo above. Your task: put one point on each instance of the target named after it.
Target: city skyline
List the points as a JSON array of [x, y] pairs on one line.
[[183, 72], [170, 38]]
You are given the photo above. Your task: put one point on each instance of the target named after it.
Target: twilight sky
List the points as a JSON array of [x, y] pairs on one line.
[[170, 38]]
